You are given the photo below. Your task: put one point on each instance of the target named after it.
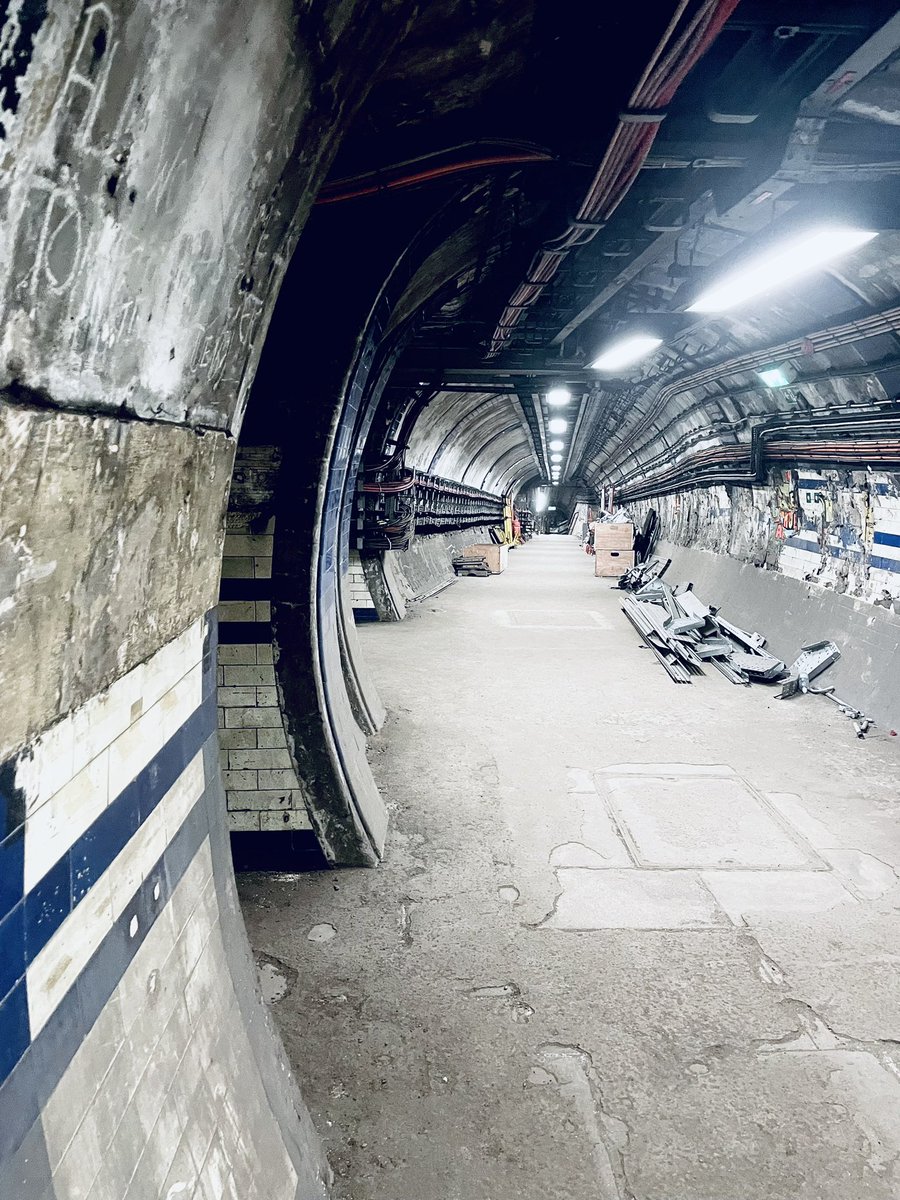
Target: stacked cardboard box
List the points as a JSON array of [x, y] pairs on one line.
[[613, 548]]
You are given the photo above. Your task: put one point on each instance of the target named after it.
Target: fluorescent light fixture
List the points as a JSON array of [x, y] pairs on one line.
[[556, 458], [551, 508], [777, 377], [779, 265], [558, 395], [557, 445], [557, 425], [626, 351]]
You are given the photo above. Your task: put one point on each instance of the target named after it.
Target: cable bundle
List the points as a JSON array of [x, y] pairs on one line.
[[685, 41]]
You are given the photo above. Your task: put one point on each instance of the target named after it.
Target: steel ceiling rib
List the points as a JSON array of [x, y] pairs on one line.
[[665, 242]]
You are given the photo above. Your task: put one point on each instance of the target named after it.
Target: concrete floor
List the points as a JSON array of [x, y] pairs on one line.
[[631, 939]]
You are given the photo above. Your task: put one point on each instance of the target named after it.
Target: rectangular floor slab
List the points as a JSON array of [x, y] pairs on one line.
[[744, 893], [703, 821], [629, 899]]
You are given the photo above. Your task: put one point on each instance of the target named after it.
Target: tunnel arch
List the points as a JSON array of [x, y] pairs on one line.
[[159, 166], [132, 327]]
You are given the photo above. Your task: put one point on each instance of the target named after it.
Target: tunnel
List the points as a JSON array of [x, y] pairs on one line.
[[449, 600]]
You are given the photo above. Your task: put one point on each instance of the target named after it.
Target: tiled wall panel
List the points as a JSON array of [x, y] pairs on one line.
[[127, 1067], [359, 589], [263, 793], [839, 530]]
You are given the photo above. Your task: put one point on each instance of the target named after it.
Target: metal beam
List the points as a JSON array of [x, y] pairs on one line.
[[531, 418], [510, 379], [872, 54], [696, 213]]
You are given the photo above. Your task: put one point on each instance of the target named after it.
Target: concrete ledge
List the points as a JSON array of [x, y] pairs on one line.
[[791, 613], [397, 579]]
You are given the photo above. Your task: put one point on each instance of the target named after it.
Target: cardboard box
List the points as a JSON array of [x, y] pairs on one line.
[[613, 535], [609, 563], [497, 556]]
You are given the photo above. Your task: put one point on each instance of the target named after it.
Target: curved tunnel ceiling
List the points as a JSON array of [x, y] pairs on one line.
[[816, 147], [477, 438]]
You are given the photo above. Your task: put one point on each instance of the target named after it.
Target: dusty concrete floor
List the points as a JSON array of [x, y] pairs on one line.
[[631, 939]]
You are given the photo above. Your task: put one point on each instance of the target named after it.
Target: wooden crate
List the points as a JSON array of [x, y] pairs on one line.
[[615, 535], [612, 562], [497, 556]]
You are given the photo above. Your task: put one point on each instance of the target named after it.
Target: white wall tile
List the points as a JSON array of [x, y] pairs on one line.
[[56, 825], [59, 754], [133, 749], [63, 958]]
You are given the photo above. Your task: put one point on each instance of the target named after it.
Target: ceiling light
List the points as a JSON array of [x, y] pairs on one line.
[[780, 265], [626, 351], [557, 445], [777, 377], [551, 508], [556, 458], [559, 395], [557, 425]]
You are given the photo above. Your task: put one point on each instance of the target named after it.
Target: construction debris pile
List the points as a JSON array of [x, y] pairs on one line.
[[684, 633]]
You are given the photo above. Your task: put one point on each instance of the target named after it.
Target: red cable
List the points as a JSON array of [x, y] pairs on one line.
[[328, 196]]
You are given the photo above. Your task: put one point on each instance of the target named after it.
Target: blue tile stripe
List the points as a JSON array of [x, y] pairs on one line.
[[12, 848], [884, 564], [886, 539], [31, 1080], [66, 884], [813, 547], [29, 921]]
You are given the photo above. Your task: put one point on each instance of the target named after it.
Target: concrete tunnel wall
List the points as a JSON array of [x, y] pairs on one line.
[[477, 438], [809, 555], [153, 191]]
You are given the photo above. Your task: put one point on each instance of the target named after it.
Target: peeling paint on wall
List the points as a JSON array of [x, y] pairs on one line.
[[837, 529]]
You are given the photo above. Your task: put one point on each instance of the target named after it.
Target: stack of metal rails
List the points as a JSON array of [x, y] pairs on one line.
[[469, 563], [684, 633]]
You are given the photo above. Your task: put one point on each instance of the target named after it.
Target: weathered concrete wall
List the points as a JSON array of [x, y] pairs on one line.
[[397, 579], [839, 530], [791, 613], [428, 562], [156, 163], [110, 542]]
